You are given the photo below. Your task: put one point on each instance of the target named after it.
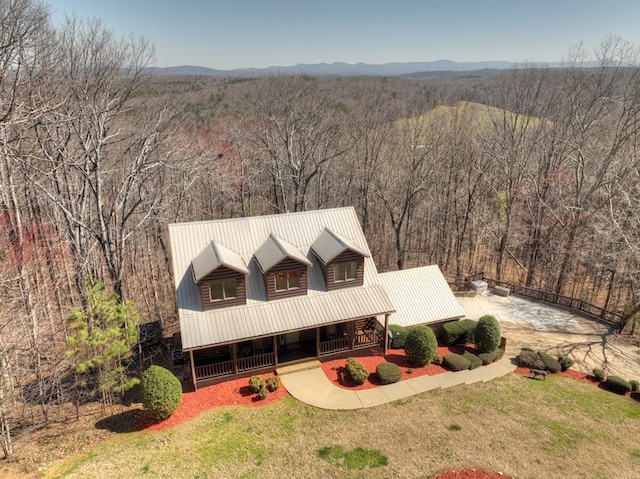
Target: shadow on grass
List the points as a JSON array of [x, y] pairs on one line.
[[127, 421]]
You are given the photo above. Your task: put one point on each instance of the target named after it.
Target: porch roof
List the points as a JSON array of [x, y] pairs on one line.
[[421, 296]]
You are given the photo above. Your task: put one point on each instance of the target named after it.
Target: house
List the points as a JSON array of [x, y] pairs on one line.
[[256, 292]]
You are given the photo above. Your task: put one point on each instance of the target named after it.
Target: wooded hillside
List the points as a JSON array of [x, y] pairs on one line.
[[532, 176]]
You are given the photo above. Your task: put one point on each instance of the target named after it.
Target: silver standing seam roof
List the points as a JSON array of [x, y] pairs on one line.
[[275, 250], [421, 296], [214, 256], [292, 234], [330, 245]]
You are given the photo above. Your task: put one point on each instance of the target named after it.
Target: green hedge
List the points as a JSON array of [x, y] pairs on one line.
[[398, 335], [474, 361], [256, 383], [565, 362], [488, 358], [459, 332], [388, 373], [456, 362], [599, 374], [551, 364], [272, 383], [421, 345], [618, 385], [635, 385], [357, 371], [160, 392], [488, 334], [529, 359]]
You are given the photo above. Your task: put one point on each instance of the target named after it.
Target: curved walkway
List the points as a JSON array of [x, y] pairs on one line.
[[310, 385]]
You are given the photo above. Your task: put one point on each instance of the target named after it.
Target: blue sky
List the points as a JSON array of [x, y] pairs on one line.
[[260, 33]]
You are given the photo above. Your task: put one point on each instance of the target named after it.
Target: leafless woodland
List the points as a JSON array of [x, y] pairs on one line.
[[531, 175]]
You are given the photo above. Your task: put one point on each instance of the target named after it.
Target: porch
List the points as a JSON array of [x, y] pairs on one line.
[[256, 356]]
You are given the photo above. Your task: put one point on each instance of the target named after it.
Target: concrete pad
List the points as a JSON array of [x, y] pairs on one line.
[[372, 397], [396, 391]]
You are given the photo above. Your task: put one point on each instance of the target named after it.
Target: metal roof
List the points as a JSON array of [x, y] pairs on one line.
[[329, 245], [260, 317], [274, 250], [421, 296], [214, 256]]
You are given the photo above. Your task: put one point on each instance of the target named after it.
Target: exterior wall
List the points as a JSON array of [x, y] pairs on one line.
[[218, 274], [286, 265], [329, 271]]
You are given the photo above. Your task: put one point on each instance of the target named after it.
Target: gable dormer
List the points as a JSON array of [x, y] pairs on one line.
[[221, 277], [341, 261], [284, 268]]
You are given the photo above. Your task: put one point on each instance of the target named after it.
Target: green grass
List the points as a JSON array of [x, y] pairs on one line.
[[551, 420]]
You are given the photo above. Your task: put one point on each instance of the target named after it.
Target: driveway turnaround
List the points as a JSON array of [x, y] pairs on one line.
[[310, 385]]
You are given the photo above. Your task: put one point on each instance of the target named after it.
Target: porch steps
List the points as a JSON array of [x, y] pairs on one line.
[[294, 368]]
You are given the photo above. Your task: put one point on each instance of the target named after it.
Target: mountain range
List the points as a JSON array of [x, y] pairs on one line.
[[339, 69]]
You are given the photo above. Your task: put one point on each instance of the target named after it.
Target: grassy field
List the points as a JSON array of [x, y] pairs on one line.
[[557, 428]]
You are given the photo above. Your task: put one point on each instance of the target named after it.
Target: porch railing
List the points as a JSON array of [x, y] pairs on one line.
[[367, 337], [333, 345], [589, 309], [255, 362], [222, 368]]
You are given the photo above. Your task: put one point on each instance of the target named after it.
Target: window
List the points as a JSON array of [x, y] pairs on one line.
[[346, 271], [223, 289], [287, 280]]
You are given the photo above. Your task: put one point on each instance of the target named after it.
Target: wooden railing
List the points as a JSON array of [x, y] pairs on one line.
[[589, 309], [367, 337], [333, 345], [222, 368], [255, 362]]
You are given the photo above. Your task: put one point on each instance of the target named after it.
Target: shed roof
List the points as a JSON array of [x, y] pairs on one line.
[[330, 245], [274, 250], [214, 256], [421, 296]]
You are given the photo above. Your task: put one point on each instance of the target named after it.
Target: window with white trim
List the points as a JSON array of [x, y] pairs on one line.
[[345, 271], [223, 289], [286, 280]]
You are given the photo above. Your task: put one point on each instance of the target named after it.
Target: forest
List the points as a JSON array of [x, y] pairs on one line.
[[531, 175]]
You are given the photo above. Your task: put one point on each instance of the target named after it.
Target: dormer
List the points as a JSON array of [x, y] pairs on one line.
[[221, 277], [341, 261], [284, 268]]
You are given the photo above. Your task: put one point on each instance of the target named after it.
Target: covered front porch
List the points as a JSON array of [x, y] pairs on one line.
[[259, 355]]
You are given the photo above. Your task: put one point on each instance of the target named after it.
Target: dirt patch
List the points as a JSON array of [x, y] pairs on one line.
[[471, 474]]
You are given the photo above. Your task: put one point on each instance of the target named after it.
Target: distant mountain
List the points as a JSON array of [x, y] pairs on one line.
[[339, 69]]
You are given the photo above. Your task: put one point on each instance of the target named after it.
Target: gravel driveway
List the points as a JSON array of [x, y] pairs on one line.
[[590, 343]]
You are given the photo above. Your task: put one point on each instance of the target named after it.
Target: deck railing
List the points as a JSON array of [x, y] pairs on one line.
[[222, 368], [367, 337], [333, 345], [255, 362], [589, 309]]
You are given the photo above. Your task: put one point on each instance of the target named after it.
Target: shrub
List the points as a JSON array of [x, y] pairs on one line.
[[398, 335], [456, 362], [499, 354], [357, 371], [272, 383], [256, 383], [264, 392], [388, 373], [437, 360], [618, 385], [488, 334], [421, 345], [160, 392], [635, 385], [474, 361], [565, 362], [599, 374], [459, 332], [529, 359], [488, 358], [551, 364]]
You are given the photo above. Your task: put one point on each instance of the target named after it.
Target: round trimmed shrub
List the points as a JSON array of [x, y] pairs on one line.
[[456, 362], [551, 364], [488, 334], [264, 392], [256, 383], [160, 392], [398, 335], [272, 383], [474, 361], [357, 371], [618, 385], [599, 374], [565, 362], [635, 385], [421, 345], [388, 373], [529, 359], [488, 358]]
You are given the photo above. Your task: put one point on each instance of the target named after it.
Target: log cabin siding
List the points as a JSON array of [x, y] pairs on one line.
[[223, 273], [286, 265], [329, 271]]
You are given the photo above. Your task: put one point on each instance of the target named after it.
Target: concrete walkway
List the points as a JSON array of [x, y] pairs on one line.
[[311, 386]]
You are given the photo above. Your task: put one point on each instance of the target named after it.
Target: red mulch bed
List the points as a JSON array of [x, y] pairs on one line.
[[229, 393], [569, 373], [471, 474], [337, 372]]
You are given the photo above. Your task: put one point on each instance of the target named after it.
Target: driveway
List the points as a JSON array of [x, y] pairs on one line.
[[590, 343]]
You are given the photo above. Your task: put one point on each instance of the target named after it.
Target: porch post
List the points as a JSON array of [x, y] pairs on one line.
[[193, 370], [275, 350], [352, 334], [318, 342], [234, 357], [386, 333]]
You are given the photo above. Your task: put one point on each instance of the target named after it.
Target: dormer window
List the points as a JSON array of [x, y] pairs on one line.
[[287, 280], [345, 271], [222, 290]]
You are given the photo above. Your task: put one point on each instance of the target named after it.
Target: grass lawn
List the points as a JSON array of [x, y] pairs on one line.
[[556, 428]]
